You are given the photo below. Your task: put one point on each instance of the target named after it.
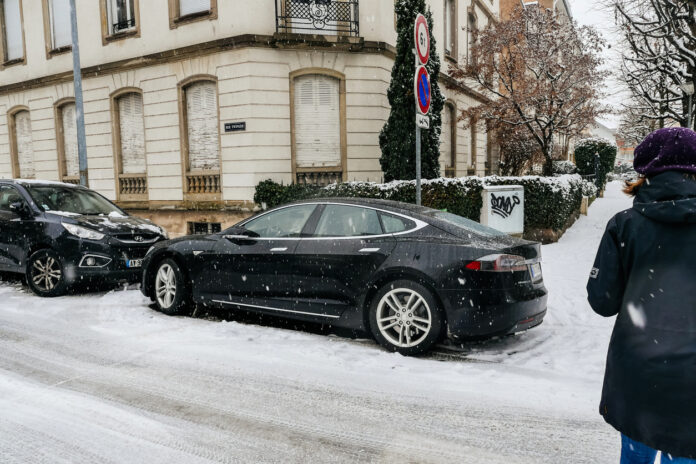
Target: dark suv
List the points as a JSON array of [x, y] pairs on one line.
[[60, 234]]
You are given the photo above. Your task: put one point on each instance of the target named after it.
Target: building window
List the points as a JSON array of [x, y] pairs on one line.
[[472, 147], [129, 143], [66, 132], [448, 144], [317, 126], [201, 144], [183, 11], [22, 147], [450, 28], [12, 40], [204, 228], [60, 29], [472, 26], [120, 19]]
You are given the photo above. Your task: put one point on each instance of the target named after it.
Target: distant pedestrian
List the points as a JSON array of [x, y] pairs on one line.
[[645, 273]]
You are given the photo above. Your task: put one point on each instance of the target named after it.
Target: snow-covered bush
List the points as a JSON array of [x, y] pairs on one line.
[[564, 167], [550, 202], [585, 151]]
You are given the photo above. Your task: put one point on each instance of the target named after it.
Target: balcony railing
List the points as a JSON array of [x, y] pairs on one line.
[[203, 183], [324, 17], [132, 184], [122, 26], [320, 178]]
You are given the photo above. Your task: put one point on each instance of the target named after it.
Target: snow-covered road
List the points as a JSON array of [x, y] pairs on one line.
[[103, 378]]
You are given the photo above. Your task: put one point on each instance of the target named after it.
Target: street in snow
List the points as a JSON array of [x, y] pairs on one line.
[[104, 378]]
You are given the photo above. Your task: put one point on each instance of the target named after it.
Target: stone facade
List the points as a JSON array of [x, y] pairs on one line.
[[253, 66]]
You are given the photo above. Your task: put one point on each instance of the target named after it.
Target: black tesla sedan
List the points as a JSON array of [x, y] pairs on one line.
[[59, 234], [408, 274]]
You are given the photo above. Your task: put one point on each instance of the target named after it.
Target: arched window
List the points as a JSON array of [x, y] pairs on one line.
[[201, 137], [317, 128], [22, 147], [129, 144], [448, 144], [66, 140]]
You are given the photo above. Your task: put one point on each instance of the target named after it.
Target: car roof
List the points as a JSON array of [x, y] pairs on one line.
[[390, 205], [26, 182]]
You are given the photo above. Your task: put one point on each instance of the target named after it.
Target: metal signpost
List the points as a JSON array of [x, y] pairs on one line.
[[79, 107], [421, 90]]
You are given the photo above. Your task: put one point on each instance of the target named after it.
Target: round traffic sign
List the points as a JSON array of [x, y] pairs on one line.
[[422, 37], [422, 90]]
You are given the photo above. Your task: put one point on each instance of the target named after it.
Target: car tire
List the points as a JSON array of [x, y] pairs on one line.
[[170, 289], [45, 274], [406, 318]]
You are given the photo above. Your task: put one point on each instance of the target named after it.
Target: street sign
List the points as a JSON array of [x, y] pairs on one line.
[[422, 37], [235, 126], [423, 121], [422, 90]]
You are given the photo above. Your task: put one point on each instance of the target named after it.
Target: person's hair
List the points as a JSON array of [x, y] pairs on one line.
[[632, 188]]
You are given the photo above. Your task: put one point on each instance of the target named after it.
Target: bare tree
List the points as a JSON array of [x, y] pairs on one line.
[[659, 56], [542, 75]]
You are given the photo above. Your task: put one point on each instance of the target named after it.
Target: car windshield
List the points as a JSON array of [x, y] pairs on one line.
[[465, 223], [59, 199]]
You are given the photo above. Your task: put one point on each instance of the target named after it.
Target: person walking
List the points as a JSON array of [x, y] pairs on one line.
[[645, 273]]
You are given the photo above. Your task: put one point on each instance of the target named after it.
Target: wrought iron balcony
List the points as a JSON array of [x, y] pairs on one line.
[[122, 26], [323, 17]]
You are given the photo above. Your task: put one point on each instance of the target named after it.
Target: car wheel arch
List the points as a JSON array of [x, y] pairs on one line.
[[394, 275], [157, 259]]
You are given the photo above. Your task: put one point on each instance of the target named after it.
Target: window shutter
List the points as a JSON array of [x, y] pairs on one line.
[[72, 161], [60, 23], [317, 122], [203, 127], [187, 7], [132, 131], [446, 140], [25, 147], [14, 48]]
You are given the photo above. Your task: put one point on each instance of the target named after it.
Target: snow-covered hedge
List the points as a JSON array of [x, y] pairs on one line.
[[564, 167], [550, 202]]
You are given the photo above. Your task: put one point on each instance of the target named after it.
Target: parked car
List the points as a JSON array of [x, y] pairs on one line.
[[407, 274], [58, 234]]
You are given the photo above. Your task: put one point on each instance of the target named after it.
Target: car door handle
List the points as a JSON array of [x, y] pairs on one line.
[[369, 250], [280, 249]]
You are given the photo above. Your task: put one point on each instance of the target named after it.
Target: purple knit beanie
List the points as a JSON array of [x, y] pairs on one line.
[[670, 149]]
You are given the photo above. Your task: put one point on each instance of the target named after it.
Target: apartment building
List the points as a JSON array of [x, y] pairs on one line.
[[559, 7], [189, 104]]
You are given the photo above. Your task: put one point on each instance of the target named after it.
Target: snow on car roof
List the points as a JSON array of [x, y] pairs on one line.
[[44, 182]]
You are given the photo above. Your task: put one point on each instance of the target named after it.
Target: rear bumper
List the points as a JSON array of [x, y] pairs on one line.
[[487, 317]]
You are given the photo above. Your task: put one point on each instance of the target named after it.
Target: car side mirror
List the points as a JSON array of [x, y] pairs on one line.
[[20, 209]]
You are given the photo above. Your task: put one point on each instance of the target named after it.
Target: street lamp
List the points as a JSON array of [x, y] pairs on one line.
[[688, 88]]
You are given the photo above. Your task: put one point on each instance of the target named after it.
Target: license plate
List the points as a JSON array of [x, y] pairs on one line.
[[133, 263], [535, 270]]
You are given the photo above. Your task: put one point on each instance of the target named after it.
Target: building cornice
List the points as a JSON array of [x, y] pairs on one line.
[[276, 41]]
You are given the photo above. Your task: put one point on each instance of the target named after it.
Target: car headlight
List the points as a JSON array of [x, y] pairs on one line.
[[83, 232]]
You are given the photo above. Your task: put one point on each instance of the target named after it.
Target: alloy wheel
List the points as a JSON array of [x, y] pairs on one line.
[[165, 286], [46, 273], [404, 317]]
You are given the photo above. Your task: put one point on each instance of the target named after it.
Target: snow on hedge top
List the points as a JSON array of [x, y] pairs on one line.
[[564, 183], [594, 141]]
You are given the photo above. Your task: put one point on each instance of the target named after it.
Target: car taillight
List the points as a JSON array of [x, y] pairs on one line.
[[498, 263]]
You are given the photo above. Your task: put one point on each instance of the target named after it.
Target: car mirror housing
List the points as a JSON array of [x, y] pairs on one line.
[[20, 209]]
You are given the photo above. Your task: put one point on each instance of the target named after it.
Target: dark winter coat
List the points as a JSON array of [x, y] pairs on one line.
[[646, 273]]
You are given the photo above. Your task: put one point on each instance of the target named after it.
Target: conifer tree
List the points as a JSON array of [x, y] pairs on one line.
[[398, 137]]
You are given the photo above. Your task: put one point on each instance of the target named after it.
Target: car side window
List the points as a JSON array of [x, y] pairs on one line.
[[395, 224], [348, 221], [282, 223], [9, 195]]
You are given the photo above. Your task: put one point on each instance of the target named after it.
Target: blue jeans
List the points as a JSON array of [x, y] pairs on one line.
[[633, 452]]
